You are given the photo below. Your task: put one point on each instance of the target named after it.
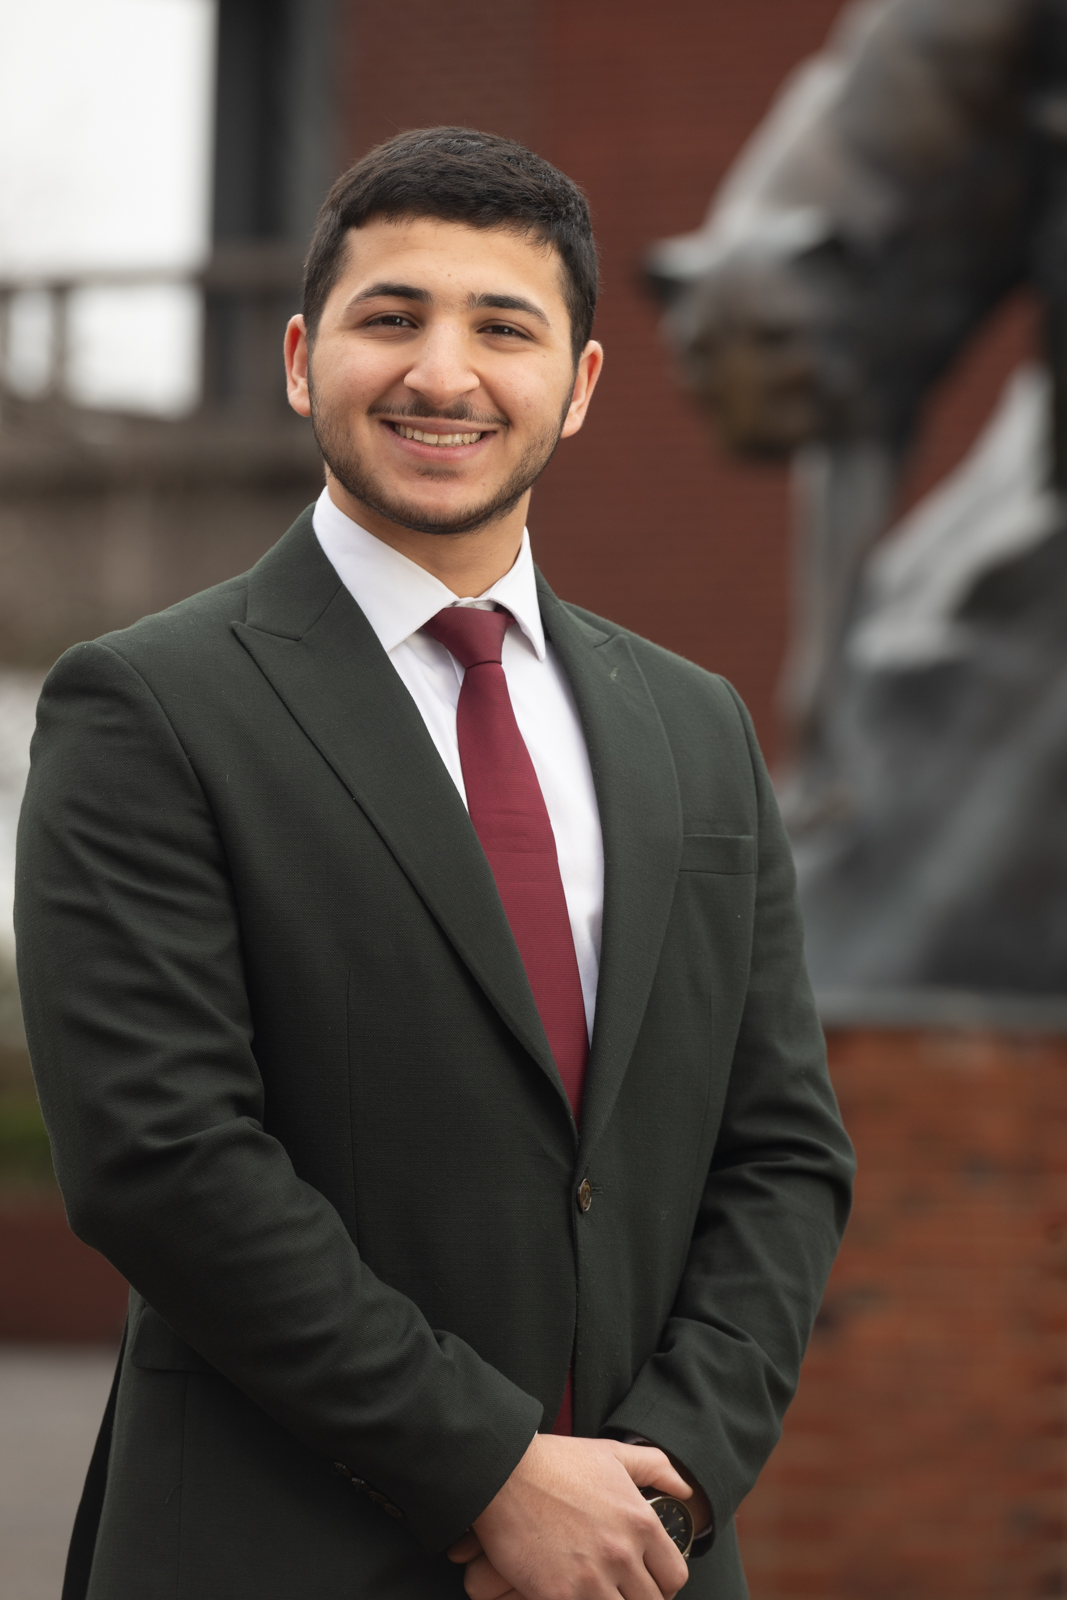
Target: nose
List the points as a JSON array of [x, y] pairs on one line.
[[442, 371]]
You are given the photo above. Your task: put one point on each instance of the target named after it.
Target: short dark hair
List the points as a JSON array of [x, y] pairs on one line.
[[459, 175]]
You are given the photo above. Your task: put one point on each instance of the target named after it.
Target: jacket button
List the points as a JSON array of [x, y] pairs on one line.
[[585, 1195]]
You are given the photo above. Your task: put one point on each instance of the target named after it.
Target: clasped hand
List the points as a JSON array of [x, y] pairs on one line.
[[571, 1524]]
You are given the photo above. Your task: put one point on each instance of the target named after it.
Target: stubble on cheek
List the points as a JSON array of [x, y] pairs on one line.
[[341, 454]]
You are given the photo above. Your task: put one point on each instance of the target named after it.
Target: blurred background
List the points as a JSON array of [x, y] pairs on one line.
[[161, 163]]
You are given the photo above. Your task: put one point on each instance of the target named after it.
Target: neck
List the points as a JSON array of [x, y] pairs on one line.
[[466, 563]]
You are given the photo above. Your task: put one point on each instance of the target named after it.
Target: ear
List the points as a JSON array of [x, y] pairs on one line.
[[590, 366], [296, 366]]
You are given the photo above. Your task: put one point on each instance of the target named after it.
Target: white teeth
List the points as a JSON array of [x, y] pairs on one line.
[[436, 438]]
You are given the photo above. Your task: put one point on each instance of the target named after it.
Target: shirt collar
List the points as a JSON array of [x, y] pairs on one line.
[[398, 597]]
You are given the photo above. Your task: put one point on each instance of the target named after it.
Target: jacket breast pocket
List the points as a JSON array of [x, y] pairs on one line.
[[733, 853]]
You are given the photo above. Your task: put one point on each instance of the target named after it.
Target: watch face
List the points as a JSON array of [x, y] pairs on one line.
[[676, 1518]]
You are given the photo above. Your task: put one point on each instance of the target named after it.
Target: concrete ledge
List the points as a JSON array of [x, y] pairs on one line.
[[942, 1008]]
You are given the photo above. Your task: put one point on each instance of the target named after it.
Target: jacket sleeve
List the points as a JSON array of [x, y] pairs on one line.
[[772, 1213], [141, 1038]]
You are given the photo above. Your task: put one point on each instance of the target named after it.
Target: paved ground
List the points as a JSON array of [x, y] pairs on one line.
[[51, 1402]]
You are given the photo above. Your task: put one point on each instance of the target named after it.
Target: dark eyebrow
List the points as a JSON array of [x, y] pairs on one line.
[[506, 302], [475, 302], [393, 291]]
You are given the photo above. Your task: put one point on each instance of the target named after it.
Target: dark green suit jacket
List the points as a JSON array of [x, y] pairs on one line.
[[299, 1094]]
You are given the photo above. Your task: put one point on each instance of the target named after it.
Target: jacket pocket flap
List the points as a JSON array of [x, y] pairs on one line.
[[718, 852], [157, 1347]]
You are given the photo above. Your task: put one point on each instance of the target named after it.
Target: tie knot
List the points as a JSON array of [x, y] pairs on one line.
[[474, 637]]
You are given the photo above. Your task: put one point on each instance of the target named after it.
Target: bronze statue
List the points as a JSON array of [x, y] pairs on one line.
[[906, 181]]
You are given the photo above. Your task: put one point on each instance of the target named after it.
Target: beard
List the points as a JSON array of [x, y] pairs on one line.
[[353, 474]]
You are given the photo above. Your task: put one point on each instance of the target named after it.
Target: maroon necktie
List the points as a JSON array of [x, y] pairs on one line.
[[511, 820]]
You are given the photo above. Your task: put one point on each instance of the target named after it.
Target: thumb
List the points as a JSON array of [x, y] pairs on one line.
[[651, 1469], [465, 1549]]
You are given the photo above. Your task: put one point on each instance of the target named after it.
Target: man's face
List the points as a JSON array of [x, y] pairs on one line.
[[441, 376]]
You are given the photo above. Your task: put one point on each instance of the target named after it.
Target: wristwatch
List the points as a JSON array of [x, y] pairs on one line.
[[675, 1516]]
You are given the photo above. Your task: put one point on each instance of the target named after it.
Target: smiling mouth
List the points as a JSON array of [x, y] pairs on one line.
[[423, 437]]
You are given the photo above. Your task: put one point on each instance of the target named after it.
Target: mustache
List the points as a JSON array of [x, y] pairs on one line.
[[421, 410]]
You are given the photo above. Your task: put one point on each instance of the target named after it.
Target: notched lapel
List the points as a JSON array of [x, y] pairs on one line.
[[317, 649], [641, 820]]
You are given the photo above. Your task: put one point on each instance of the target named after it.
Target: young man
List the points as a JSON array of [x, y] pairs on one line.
[[452, 1221]]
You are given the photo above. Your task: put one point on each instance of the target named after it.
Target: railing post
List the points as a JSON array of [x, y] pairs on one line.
[[6, 298], [59, 355]]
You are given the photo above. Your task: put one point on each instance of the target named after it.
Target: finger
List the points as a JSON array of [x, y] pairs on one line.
[[485, 1587], [651, 1469], [483, 1582], [666, 1565], [465, 1549], [642, 1584]]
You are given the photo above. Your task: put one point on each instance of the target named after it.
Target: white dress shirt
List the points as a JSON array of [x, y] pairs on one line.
[[398, 598]]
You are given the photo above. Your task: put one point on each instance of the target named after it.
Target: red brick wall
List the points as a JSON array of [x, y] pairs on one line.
[[924, 1456], [53, 1287], [640, 517]]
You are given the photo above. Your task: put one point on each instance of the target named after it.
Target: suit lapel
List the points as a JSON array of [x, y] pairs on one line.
[[311, 641], [641, 819]]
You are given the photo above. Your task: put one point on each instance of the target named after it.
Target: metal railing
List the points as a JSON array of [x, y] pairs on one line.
[[58, 294], [255, 283]]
